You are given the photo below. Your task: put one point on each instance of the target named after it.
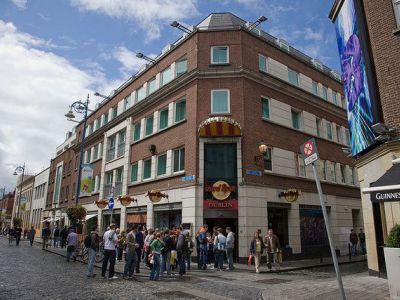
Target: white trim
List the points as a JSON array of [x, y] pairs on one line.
[[227, 55], [229, 101], [380, 188]]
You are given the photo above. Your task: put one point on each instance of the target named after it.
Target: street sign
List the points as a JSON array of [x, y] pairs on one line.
[[254, 172], [309, 151], [111, 203], [188, 178]]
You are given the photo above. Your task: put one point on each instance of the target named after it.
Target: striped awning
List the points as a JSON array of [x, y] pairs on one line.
[[219, 126]]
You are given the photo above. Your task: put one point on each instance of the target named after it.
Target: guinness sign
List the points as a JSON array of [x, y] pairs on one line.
[[385, 196]]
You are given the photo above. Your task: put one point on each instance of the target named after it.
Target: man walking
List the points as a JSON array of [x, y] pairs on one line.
[[31, 235], [140, 241], [181, 249], [273, 248], [18, 232], [45, 236], [353, 241], [92, 249], [202, 247], [63, 236], [72, 241], [230, 245], [166, 253], [131, 255], [361, 237], [56, 235], [110, 240]]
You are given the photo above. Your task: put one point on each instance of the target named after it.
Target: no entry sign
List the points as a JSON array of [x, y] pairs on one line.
[[309, 151]]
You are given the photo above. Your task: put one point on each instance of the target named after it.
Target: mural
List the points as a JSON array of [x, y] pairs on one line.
[[359, 108]]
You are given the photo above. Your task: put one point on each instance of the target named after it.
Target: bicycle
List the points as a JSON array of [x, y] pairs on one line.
[[82, 251]]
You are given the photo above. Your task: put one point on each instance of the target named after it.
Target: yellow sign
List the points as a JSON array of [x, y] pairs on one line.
[[291, 195], [221, 190], [155, 196]]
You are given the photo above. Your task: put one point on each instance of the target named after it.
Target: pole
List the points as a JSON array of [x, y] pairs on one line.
[[328, 230], [78, 188], [20, 191]]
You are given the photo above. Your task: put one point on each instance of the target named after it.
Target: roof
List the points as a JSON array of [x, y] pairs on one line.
[[220, 20], [391, 177]]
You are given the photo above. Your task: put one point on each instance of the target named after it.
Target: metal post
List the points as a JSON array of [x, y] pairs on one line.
[[20, 191], [82, 151], [328, 230]]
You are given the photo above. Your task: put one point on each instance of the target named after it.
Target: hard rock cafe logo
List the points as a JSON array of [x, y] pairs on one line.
[[220, 190], [291, 195]]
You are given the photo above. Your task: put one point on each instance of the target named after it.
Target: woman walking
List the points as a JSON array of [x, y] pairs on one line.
[[256, 249]]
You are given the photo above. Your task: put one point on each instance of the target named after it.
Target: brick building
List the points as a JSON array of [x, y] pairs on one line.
[[6, 208], [190, 125], [377, 167]]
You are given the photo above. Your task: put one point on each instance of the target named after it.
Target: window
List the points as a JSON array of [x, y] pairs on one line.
[[149, 125], [347, 135], [181, 66], [127, 102], [105, 118], [293, 77], [151, 86], [268, 160], [95, 152], [136, 132], [329, 130], [396, 6], [76, 162], [220, 55], [89, 129], [351, 176], [134, 172], [325, 93], [322, 169], [302, 167], [334, 97], [166, 76], [111, 148], [179, 159], [114, 112], [140, 94], [147, 168], [88, 155], [333, 171], [342, 174], [121, 143], [180, 111], [265, 108], [339, 134], [262, 63], [101, 150], [296, 119], [162, 165], [108, 184], [220, 101], [315, 88], [163, 118], [318, 123], [98, 123]]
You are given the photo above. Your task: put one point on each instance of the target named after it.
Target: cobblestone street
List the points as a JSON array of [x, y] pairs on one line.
[[31, 273]]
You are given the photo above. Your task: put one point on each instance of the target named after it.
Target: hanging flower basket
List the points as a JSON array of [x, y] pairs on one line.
[[101, 203], [126, 200]]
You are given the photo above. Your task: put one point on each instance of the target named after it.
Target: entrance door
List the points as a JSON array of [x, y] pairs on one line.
[[223, 223], [379, 237], [278, 222]]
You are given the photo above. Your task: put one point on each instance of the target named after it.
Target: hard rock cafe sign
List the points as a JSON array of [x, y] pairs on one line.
[[155, 196], [220, 191], [291, 195]]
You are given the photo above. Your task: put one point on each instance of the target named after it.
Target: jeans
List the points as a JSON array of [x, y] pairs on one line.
[[155, 271], [70, 252], [353, 249], [45, 242], [17, 239], [220, 259], [31, 238], [56, 241], [181, 262], [91, 260], [188, 259], [363, 249], [229, 257], [130, 263], [109, 255], [272, 259], [198, 258], [166, 263], [139, 258], [203, 258], [216, 258]]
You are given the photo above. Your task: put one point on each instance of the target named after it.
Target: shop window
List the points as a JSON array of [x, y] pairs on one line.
[[149, 125], [220, 102], [161, 164], [179, 159], [181, 66], [166, 76], [219, 55], [268, 160], [163, 119], [293, 77], [151, 85], [315, 88], [265, 108], [180, 111], [147, 169], [134, 172], [262, 63]]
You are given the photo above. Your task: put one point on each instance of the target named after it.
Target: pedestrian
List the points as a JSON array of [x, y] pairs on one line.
[[230, 245], [202, 247], [32, 235], [220, 245], [72, 241], [56, 237], [121, 244], [131, 255], [361, 237], [140, 241], [110, 241], [147, 241], [117, 231], [210, 252], [18, 233], [45, 236], [92, 249], [166, 253], [11, 236], [256, 249], [353, 242], [156, 247], [182, 250], [273, 247], [190, 245], [25, 233], [215, 250], [63, 236]]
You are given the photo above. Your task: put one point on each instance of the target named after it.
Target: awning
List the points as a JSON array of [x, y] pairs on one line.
[[87, 217], [387, 187], [219, 126]]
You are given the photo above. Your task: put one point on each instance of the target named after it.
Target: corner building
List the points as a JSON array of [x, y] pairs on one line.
[[190, 124]]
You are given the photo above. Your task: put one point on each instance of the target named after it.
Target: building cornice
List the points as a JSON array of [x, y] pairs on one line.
[[378, 152]]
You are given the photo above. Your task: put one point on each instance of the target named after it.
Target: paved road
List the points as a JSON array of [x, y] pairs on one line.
[[30, 273]]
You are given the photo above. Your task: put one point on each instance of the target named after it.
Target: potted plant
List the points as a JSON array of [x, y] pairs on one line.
[[392, 260], [76, 214], [17, 222]]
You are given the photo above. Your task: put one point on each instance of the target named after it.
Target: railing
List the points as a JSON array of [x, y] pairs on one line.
[[121, 150], [110, 154]]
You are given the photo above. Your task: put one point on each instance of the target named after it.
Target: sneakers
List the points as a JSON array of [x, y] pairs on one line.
[[257, 272], [112, 278]]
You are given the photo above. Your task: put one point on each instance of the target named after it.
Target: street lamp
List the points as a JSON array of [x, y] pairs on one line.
[[81, 108], [19, 170], [181, 27], [258, 22]]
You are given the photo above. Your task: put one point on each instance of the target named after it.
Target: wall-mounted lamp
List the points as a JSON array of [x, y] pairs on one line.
[[383, 132], [262, 148], [181, 27], [149, 59], [152, 149]]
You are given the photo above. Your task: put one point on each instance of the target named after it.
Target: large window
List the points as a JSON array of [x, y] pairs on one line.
[[149, 125], [166, 76], [134, 172], [396, 6], [162, 164], [265, 108], [111, 148], [325, 93], [296, 121], [220, 55], [329, 130], [140, 94], [180, 111], [220, 102], [339, 134], [262, 63], [293, 77], [98, 123], [179, 159], [151, 85], [315, 88], [163, 119], [318, 124], [136, 132], [181, 66], [147, 168], [105, 118], [220, 163], [114, 112], [121, 143], [127, 102], [268, 160]]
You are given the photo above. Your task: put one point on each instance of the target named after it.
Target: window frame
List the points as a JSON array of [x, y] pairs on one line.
[[299, 113], [261, 56], [154, 79], [324, 94], [329, 125], [145, 125], [157, 165], [162, 83], [159, 118], [298, 77], [139, 125], [268, 153], [180, 169], [316, 90], [184, 58], [137, 172], [143, 171], [175, 114], [228, 102], [318, 125], [114, 109], [267, 99], [141, 89], [212, 56]]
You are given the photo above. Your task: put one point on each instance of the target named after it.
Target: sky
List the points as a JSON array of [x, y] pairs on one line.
[[53, 53]]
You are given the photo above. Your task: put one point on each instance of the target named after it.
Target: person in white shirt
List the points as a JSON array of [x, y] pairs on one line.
[[110, 240], [230, 244], [220, 245]]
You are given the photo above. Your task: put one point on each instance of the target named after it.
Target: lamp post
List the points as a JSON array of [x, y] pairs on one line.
[[81, 108], [17, 171]]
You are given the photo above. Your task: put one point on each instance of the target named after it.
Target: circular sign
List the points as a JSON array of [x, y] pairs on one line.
[[155, 196], [111, 203], [221, 190], [308, 148]]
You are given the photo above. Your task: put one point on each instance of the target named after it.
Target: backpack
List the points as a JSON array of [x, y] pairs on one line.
[[87, 241], [221, 245]]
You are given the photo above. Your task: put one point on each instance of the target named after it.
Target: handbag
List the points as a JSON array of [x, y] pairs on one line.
[[279, 257], [249, 260]]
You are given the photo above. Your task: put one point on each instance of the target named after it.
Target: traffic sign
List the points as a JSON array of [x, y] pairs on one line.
[[254, 172], [111, 203], [309, 151]]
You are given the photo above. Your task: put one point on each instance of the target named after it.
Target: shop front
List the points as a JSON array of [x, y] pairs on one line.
[[110, 216], [136, 216], [167, 216]]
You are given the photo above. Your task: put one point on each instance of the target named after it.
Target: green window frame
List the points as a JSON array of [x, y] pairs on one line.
[[147, 168], [134, 172], [181, 66], [162, 164], [265, 108], [295, 119], [136, 132], [149, 125], [219, 55], [163, 119], [262, 63], [293, 77], [180, 111]]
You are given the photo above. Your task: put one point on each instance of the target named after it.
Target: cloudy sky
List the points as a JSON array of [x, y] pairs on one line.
[[55, 52]]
